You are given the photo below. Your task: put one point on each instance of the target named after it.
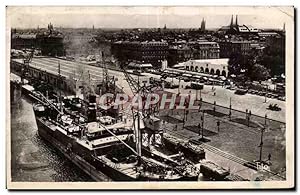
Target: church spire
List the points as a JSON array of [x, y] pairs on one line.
[[236, 21], [203, 25], [231, 23]]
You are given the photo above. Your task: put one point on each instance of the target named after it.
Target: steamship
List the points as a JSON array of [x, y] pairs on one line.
[[107, 147]]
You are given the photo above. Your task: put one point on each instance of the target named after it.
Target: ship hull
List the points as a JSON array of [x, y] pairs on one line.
[[92, 166], [45, 133], [85, 160]]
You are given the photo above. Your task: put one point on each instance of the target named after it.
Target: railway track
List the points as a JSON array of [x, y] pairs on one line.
[[224, 154], [212, 149]]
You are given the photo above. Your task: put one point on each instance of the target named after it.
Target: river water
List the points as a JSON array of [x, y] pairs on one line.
[[32, 159]]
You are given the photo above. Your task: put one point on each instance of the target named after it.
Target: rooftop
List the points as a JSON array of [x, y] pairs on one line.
[[24, 36], [212, 61]]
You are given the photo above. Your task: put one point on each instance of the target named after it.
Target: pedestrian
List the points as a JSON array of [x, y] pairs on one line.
[[269, 157]]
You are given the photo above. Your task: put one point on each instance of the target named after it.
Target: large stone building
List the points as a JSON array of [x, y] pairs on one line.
[[153, 52], [178, 54], [229, 47], [49, 41], [205, 50], [208, 66], [22, 41], [181, 52]]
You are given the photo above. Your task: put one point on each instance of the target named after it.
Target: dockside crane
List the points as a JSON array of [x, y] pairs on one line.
[[152, 124], [143, 90], [27, 58]]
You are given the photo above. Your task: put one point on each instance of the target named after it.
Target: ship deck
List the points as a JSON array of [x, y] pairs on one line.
[[52, 126], [90, 145], [132, 170], [129, 169], [97, 143]]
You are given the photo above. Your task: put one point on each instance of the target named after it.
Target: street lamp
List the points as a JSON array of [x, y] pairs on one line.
[[261, 144], [183, 117], [249, 114], [200, 94], [230, 108], [266, 119], [186, 115], [202, 126], [179, 86], [200, 104], [266, 93], [214, 106]]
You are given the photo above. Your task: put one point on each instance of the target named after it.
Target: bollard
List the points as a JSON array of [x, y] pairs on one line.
[[214, 106], [249, 118], [266, 119]]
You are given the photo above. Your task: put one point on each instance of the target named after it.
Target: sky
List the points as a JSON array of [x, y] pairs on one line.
[[146, 17]]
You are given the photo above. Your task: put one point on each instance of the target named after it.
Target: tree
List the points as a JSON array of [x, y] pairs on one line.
[[274, 60], [259, 73], [245, 67], [241, 65]]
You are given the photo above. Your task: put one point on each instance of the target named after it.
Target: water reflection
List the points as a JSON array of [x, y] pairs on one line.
[[32, 159]]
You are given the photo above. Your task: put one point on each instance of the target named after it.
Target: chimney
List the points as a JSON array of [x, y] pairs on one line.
[[92, 109]]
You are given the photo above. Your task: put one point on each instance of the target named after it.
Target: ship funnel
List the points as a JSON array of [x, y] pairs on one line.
[[92, 109]]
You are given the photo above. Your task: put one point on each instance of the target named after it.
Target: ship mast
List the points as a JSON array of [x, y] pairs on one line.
[[104, 74], [59, 88], [138, 130]]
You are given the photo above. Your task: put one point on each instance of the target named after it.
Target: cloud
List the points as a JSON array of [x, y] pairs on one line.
[[147, 17]]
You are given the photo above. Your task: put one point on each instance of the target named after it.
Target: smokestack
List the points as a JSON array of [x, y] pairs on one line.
[[92, 109]]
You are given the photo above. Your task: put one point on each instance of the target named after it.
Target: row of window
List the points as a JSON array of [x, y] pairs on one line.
[[206, 70], [153, 52], [148, 57]]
